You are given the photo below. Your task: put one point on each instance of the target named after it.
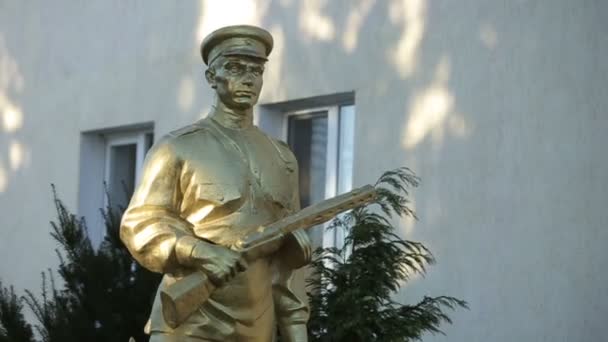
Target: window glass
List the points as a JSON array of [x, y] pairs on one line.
[[308, 140], [149, 140], [346, 148], [122, 168]]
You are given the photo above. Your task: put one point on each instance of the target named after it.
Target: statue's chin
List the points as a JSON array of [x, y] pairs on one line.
[[240, 105]]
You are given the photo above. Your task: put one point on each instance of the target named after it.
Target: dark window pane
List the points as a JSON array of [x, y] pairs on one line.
[[122, 174], [149, 137], [307, 137]]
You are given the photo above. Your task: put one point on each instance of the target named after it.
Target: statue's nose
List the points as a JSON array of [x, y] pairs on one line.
[[248, 79]]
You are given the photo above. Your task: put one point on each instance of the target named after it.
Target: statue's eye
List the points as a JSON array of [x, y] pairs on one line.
[[257, 70], [234, 68]]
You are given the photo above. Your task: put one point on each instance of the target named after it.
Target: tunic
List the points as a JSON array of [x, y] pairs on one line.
[[217, 184]]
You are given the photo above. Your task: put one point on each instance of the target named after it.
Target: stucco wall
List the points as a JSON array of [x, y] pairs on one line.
[[500, 107]]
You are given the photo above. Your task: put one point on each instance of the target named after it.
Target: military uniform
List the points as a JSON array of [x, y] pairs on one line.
[[218, 184]]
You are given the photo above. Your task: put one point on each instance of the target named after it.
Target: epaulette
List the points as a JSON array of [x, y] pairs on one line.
[[282, 143], [285, 153], [195, 127]]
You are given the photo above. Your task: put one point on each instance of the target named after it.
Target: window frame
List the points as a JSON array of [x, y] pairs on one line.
[[137, 138], [95, 166]]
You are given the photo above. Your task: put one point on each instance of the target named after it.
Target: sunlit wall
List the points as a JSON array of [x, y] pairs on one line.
[[499, 106]]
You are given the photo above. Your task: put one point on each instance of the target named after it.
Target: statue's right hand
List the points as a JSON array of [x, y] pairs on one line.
[[220, 263]]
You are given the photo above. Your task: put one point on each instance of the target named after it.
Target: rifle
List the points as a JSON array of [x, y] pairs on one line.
[[182, 298]]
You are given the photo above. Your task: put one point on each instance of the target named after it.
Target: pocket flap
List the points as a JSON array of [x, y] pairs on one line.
[[217, 194]]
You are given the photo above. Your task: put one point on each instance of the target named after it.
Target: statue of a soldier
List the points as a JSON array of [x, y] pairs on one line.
[[207, 185]]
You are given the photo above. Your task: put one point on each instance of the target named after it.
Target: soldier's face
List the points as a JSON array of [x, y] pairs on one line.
[[237, 80]]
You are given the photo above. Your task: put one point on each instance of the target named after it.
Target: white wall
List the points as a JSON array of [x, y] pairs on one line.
[[499, 106]]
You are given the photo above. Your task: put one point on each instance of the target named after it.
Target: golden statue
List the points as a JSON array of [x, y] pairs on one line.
[[217, 211], [206, 186]]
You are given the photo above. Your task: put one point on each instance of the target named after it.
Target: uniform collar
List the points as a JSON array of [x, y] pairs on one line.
[[232, 121]]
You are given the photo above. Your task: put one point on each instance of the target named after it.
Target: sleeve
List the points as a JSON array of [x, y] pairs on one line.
[[291, 310], [155, 235]]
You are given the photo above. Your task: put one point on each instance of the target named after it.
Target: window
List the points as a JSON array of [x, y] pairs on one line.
[[124, 157], [323, 140], [114, 158]]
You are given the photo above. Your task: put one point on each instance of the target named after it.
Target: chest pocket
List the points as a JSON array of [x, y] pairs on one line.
[[224, 197], [215, 201], [218, 194]]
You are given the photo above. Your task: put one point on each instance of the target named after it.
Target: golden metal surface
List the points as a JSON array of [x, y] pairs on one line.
[[185, 296], [206, 187]]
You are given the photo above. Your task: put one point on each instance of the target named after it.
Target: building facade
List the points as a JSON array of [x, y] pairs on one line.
[[499, 106]]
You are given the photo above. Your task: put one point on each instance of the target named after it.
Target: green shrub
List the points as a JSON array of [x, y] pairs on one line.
[[352, 288]]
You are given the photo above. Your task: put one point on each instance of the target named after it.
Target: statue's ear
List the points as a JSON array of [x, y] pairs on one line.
[[210, 76]]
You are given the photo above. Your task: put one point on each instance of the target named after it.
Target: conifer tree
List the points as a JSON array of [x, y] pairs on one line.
[[13, 327], [352, 288], [104, 294]]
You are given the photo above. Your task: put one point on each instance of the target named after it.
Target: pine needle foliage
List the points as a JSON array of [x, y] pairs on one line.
[[352, 288], [13, 326], [104, 295]]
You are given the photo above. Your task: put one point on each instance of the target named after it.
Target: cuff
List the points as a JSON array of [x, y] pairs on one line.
[[183, 249]]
